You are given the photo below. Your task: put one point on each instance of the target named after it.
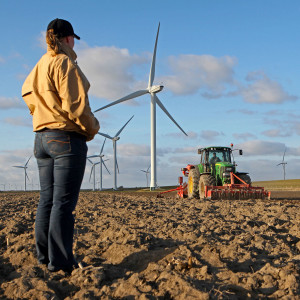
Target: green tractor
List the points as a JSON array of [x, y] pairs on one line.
[[215, 170]]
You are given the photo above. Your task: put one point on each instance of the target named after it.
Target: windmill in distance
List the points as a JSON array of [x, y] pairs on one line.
[[100, 155], [283, 163], [146, 172], [93, 172], [114, 140], [152, 90], [25, 171]]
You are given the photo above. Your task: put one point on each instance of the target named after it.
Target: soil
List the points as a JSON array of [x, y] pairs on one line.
[[137, 246]]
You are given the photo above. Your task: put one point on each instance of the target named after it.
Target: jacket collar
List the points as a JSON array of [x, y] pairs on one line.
[[65, 49]]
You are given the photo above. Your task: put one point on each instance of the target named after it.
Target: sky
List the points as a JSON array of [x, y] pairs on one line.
[[230, 71]]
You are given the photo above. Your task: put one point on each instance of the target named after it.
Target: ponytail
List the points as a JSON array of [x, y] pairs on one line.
[[52, 40]]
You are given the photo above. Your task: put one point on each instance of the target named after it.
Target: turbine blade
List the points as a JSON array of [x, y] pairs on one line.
[[117, 165], [152, 69], [91, 172], [167, 113], [92, 156], [26, 175], [28, 160], [89, 160], [105, 135], [117, 134], [21, 167], [102, 146], [105, 167], [128, 97], [283, 155]]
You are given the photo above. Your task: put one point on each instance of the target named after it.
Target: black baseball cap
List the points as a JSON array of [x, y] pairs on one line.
[[62, 28]]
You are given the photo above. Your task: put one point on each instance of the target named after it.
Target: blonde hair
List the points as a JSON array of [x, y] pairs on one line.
[[53, 41]]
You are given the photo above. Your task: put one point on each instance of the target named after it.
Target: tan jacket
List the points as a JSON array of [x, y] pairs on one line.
[[56, 94]]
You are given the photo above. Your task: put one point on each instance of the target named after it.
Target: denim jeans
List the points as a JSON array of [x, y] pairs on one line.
[[61, 159]]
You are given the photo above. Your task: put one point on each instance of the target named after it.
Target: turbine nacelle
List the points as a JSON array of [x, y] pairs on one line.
[[155, 89]]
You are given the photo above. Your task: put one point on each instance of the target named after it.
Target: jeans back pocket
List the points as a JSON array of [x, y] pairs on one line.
[[58, 144]]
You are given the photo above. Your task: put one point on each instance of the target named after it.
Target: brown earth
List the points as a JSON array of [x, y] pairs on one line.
[[138, 246]]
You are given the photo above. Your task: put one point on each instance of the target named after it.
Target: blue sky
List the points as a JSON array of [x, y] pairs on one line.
[[230, 71]]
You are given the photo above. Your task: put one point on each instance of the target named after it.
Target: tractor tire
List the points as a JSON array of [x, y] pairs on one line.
[[205, 180], [246, 178], [193, 183]]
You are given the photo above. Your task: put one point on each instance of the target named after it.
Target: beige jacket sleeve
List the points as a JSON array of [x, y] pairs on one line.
[[73, 88]]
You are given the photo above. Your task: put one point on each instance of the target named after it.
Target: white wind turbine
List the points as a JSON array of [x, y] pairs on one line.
[[146, 172], [152, 90], [25, 170], [100, 155], [283, 163], [114, 140], [93, 172]]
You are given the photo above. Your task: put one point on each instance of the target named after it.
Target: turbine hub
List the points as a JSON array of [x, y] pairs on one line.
[[155, 88]]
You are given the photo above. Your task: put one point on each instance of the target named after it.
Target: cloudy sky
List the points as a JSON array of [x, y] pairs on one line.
[[230, 71]]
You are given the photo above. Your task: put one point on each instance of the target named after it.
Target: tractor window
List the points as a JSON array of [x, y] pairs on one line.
[[219, 155], [204, 157]]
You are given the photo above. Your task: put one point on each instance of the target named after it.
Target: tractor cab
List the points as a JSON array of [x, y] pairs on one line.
[[212, 155], [217, 161]]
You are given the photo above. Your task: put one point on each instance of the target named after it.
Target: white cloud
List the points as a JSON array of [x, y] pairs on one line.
[[191, 135], [275, 133], [42, 40], [258, 147], [194, 72], [109, 70], [264, 90], [18, 121], [8, 103], [133, 150], [243, 136], [243, 111], [210, 135], [186, 150]]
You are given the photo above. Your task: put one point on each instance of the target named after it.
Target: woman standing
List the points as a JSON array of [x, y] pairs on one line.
[[56, 94]]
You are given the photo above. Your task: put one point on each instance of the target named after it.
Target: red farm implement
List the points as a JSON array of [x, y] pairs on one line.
[[216, 178]]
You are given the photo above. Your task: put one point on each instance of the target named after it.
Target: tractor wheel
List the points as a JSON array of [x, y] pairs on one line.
[[245, 178], [193, 183], [205, 180]]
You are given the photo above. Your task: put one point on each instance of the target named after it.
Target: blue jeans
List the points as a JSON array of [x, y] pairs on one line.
[[61, 159]]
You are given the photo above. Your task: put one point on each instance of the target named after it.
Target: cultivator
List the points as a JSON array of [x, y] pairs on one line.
[[235, 191]]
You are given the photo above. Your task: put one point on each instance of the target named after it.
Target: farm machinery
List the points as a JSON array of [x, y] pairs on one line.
[[216, 177]]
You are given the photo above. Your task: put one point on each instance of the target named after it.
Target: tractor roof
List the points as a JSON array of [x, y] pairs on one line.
[[215, 148]]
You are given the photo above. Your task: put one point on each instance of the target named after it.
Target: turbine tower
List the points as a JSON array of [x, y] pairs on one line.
[[25, 171], [283, 163], [100, 155], [146, 172], [152, 90], [114, 140]]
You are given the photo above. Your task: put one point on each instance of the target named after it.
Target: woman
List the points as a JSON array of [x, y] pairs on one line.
[[56, 94]]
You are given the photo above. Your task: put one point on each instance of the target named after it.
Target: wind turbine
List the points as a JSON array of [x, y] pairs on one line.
[[93, 172], [147, 172], [100, 155], [152, 90], [283, 163], [114, 140], [25, 171]]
